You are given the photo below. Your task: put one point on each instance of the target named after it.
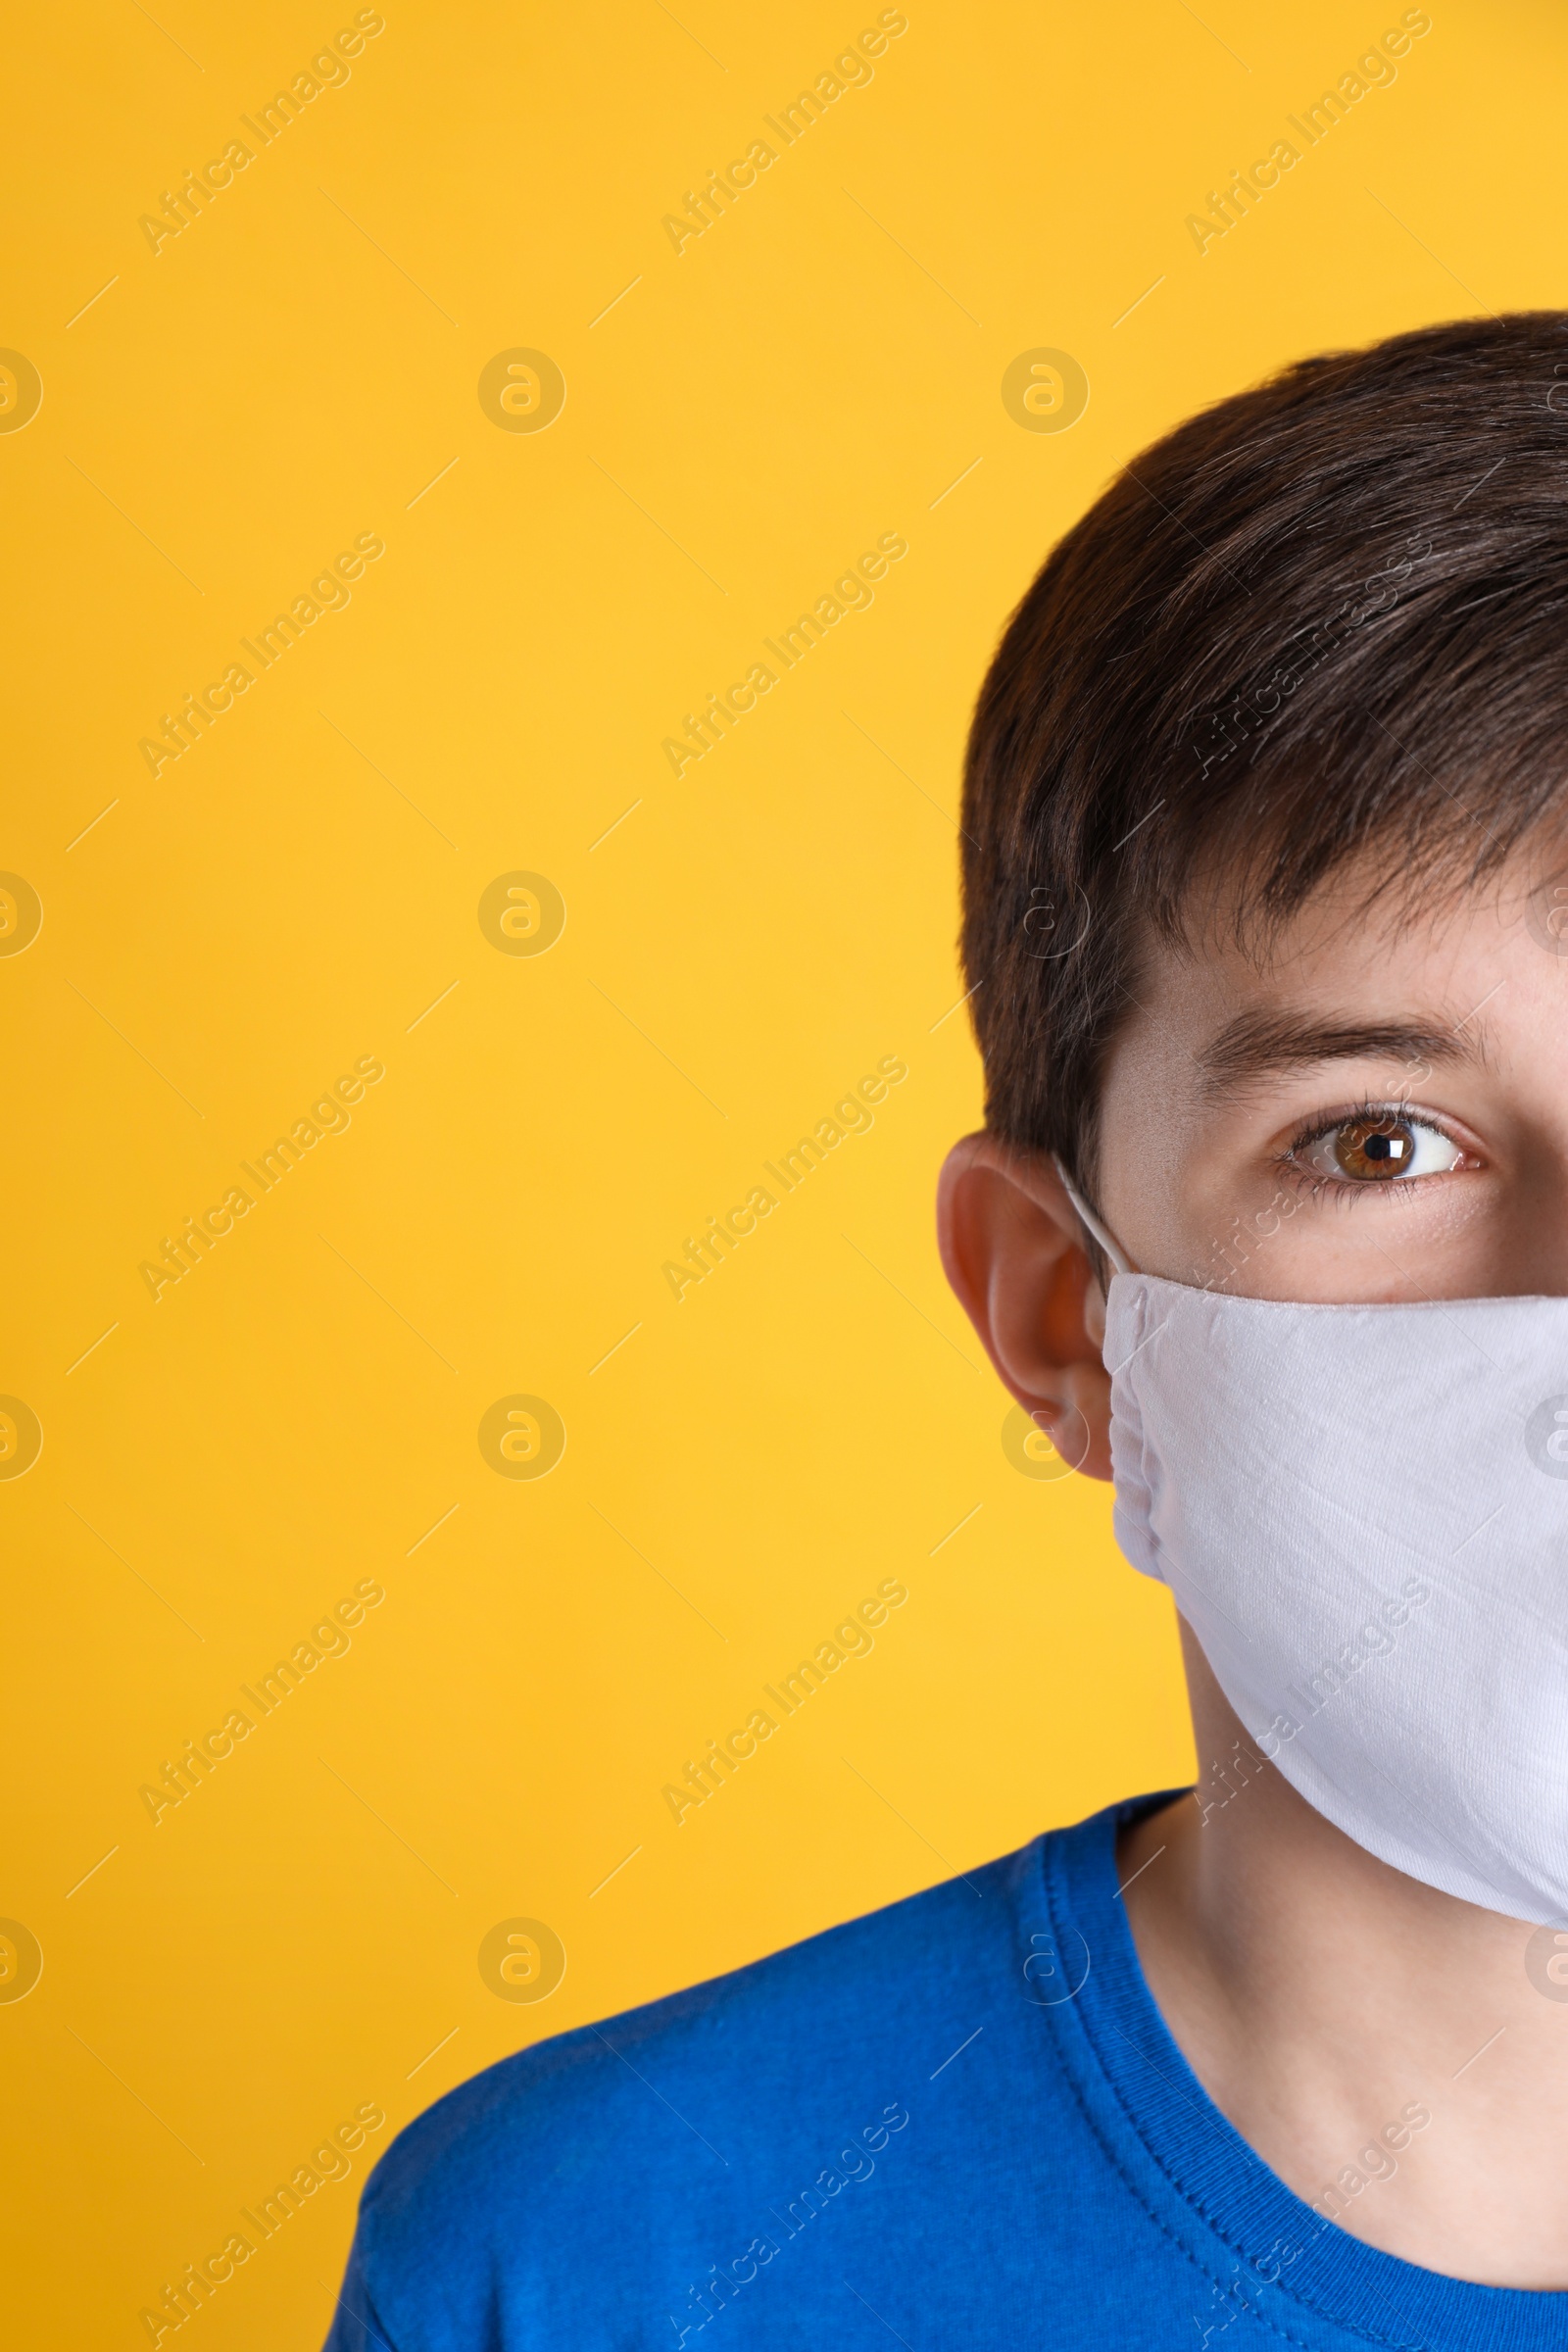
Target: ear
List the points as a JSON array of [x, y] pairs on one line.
[[1011, 1246]]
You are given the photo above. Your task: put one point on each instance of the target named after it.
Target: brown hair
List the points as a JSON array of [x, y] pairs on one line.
[[1323, 618]]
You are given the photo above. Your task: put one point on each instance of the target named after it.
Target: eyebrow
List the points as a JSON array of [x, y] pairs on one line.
[[1259, 1045]]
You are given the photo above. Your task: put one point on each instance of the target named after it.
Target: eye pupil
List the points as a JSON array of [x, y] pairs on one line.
[[1374, 1148]]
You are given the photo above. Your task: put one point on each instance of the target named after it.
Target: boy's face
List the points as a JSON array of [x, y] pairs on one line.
[[1378, 1112]]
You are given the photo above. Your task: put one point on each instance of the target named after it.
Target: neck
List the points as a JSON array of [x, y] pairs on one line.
[[1379, 2044]]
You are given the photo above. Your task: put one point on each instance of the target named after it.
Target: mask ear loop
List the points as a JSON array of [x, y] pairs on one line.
[[1120, 1261]]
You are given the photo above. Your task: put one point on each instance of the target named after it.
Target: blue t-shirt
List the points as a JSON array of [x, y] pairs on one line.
[[960, 2122]]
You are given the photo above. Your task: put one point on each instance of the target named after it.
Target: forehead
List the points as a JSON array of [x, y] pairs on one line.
[[1367, 969]]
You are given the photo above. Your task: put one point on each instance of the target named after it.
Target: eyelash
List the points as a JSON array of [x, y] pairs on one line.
[[1289, 1165]]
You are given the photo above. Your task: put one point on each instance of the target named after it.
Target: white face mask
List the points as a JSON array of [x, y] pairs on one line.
[[1362, 1512]]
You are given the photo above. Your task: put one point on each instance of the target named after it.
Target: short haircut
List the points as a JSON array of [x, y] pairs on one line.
[[1322, 621]]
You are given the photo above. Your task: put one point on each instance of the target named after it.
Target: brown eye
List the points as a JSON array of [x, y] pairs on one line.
[[1374, 1150], [1382, 1147]]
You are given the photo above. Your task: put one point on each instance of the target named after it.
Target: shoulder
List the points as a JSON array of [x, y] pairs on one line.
[[509, 2172], [742, 2036]]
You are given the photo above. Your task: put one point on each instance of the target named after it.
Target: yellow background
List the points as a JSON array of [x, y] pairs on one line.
[[817, 370]]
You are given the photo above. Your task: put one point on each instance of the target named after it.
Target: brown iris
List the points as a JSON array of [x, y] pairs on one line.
[[1373, 1151]]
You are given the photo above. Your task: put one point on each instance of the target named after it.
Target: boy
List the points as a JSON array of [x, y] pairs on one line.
[[1267, 919]]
